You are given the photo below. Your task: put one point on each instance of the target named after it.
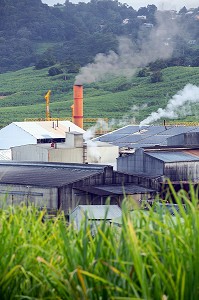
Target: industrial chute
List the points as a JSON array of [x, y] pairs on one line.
[[47, 98]]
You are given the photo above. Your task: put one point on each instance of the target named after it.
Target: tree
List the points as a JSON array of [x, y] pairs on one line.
[[143, 73], [54, 71], [156, 77]]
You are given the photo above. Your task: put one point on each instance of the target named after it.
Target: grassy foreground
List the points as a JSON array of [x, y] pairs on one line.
[[155, 258]]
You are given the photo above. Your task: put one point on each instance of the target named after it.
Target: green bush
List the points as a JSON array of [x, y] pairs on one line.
[[54, 71]]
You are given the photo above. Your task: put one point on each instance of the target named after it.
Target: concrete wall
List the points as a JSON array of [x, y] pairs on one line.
[[65, 155], [29, 153], [16, 194], [103, 155], [73, 140]]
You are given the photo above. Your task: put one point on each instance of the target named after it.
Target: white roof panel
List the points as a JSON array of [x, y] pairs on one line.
[[48, 129], [98, 212]]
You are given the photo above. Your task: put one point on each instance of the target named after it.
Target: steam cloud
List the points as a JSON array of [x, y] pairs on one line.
[[189, 94], [157, 46], [129, 117], [92, 146]]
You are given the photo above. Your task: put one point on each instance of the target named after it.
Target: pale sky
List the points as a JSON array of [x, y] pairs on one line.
[[161, 4]]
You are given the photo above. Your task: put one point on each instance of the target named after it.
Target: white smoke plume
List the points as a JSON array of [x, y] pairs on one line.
[[91, 145], [189, 94], [128, 118], [155, 45]]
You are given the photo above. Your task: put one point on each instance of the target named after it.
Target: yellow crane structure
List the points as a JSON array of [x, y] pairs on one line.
[[47, 98]]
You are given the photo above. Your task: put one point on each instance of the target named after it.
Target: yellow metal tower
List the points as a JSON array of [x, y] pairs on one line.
[[47, 98]]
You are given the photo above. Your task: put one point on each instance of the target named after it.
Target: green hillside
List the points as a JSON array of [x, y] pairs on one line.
[[119, 99]]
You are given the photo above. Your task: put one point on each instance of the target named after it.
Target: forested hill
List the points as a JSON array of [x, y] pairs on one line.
[[32, 33]]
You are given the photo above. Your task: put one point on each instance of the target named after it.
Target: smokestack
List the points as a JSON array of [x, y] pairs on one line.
[[164, 123], [78, 105]]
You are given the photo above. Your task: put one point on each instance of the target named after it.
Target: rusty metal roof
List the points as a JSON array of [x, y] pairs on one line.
[[46, 174]]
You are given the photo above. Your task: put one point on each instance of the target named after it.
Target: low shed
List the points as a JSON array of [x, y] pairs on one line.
[[62, 186], [48, 185], [94, 213]]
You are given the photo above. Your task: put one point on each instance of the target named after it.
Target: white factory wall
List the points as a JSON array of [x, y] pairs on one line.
[[65, 155], [102, 155], [40, 197], [29, 153], [13, 135]]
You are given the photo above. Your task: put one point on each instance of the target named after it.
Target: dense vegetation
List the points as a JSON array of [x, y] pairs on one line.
[[121, 100], [153, 255], [32, 33]]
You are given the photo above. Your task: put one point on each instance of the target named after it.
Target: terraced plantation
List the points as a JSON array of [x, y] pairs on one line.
[[118, 99]]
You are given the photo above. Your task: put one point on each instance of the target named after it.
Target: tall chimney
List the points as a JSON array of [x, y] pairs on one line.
[[78, 105]]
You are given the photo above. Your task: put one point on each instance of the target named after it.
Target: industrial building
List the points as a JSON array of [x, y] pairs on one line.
[[53, 165], [72, 149], [65, 186], [176, 164], [179, 162], [35, 132]]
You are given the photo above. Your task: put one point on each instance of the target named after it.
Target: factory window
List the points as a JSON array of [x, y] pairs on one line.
[[48, 141]]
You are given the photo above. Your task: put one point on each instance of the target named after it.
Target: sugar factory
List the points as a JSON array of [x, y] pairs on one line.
[[53, 164]]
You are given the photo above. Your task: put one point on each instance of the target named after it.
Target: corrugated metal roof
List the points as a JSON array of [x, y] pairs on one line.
[[129, 189], [45, 130], [175, 130], [45, 174], [155, 140], [133, 135], [99, 212], [194, 152], [174, 156], [119, 189]]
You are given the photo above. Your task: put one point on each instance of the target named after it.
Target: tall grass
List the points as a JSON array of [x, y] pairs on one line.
[[150, 256]]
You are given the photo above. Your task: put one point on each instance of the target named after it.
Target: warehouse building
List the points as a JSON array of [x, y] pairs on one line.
[[23, 133], [65, 186], [178, 162]]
